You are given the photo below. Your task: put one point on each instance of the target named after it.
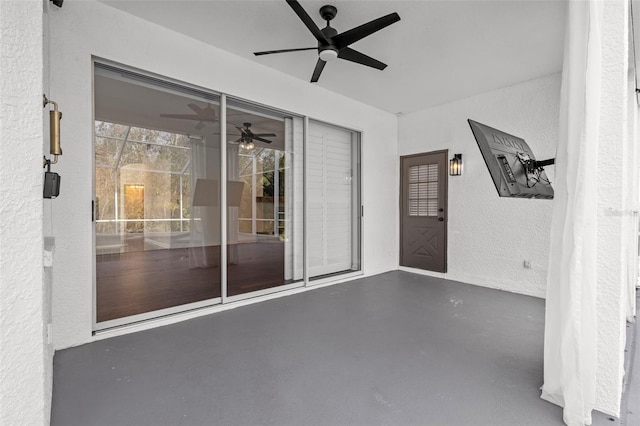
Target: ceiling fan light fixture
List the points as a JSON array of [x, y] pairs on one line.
[[328, 55]]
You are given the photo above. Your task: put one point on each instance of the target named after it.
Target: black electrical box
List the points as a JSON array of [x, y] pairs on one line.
[[51, 185]]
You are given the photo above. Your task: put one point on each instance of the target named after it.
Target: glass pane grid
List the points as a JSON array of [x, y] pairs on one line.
[[142, 135], [110, 130], [106, 151], [423, 190], [154, 157]]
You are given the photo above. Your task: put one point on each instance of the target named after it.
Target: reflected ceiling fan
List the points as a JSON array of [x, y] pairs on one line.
[[247, 137], [202, 115], [332, 45]]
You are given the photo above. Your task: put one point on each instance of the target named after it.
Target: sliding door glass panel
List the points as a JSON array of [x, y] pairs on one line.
[[157, 210], [333, 196], [264, 198]]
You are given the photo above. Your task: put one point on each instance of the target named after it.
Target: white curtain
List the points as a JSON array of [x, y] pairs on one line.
[[631, 208], [294, 186], [233, 209], [570, 321], [204, 223]]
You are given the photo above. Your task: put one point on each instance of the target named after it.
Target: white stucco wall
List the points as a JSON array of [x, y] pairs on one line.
[[490, 237], [84, 28], [25, 358]]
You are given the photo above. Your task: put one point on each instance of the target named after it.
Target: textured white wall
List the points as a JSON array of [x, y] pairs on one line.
[[84, 28], [614, 191], [25, 358], [49, 238], [490, 237]]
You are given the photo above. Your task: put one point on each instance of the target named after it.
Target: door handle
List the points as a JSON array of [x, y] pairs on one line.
[[440, 219]]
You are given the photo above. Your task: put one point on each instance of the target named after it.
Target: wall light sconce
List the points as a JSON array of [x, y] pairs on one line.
[[455, 165], [54, 131], [51, 179]]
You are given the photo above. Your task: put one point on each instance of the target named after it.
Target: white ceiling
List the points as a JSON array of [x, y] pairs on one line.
[[440, 51]]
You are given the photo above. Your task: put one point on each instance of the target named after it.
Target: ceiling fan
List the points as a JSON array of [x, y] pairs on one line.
[[332, 45], [202, 115], [247, 136]]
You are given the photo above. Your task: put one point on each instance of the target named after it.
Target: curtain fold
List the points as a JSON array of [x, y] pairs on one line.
[[632, 198], [570, 344], [234, 195], [204, 222], [293, 206]]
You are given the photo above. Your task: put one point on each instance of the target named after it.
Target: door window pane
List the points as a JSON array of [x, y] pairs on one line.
[[423, 190]]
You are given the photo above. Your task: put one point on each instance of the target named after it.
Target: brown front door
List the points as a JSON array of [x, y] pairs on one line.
[[423, 211]]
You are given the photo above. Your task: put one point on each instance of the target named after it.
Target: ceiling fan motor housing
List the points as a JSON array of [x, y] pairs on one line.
[[329, 51]]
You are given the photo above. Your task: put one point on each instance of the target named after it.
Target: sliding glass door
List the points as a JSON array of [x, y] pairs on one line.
[[170, 177], [264, 200], [333, 216], [156, 204]]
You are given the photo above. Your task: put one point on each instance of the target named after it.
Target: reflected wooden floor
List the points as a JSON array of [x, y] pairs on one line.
[[137, 282]]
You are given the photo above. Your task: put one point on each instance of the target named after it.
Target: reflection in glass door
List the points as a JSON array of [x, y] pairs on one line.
[[156, 209], [158, 205], [134, 207], [264, 221]]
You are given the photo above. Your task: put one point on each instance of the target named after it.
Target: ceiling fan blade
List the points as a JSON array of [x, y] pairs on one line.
[[200, 125], [306, 19], [268, 135], [241, 129], [184, 117], [351, 36], [209, 112], [261, 140], [195, 108], [349, 54], [318, 70], [269, 52]]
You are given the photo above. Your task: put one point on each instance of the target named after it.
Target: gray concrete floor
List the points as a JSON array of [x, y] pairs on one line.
[[396, 348]]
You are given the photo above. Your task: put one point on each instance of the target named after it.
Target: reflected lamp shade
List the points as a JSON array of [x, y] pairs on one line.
[[206, 193], [234, 193], [455, 165]]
